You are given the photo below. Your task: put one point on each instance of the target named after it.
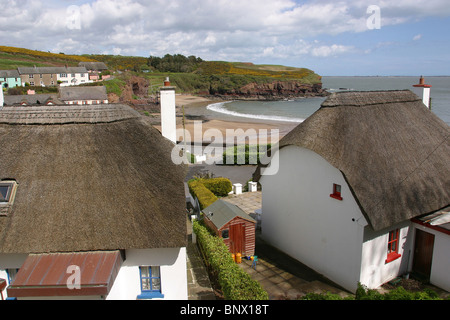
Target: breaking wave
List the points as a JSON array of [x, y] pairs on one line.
[[220, 108]]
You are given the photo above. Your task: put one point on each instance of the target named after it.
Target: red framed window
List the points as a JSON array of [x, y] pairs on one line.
[[336, 192], [393, 243]]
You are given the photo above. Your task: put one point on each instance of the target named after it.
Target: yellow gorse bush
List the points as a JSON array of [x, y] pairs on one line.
[[43, 54]]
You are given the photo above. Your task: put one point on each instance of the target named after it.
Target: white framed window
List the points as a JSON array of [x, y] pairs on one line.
[[7, 195]]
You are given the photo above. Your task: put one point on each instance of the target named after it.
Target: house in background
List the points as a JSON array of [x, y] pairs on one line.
[[94, 67], [52, 76], [91, 206], [10, 79], [350, 179], [233, 225], [43, 99], [73, 76], [95, 70], [83, 95]]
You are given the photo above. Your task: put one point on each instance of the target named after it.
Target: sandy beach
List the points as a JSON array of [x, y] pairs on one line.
[[198, 117]]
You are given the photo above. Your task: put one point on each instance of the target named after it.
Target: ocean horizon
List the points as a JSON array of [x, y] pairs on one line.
[[297, 110]]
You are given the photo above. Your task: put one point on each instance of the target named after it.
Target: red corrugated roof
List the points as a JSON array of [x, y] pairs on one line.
[[48, 274]]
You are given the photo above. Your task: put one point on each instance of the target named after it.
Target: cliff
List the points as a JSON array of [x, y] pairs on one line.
[[276, 90]]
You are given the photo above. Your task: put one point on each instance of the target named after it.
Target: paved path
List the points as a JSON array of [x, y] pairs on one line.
[[199, 286], [280, 275]]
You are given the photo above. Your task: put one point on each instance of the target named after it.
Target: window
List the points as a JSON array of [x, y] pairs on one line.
[[392, 252], [225, 234], [31, 76], [336, 192], [6, 189], [63, 75], [11, 273], [150, 282]]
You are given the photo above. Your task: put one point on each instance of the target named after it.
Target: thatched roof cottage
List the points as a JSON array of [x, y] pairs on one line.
[[350, 179], [91, 179]]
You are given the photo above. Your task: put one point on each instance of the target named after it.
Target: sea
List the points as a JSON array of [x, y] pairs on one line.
[[297, 110]]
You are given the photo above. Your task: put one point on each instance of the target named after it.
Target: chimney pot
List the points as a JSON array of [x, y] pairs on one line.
[[167, 82]]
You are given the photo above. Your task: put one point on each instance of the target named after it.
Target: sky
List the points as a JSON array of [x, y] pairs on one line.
[[333, 38]]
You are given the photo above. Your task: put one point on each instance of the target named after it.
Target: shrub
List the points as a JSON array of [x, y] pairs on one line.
[[207, 190], [199, 191], [245, 154], [235, 283], [219, 186]]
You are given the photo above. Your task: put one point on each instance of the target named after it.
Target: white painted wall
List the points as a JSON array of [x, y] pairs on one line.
[[300, 218], [10, 261], [374, 269], [172, 262], [440, 264], [73, 79], [173, 273]]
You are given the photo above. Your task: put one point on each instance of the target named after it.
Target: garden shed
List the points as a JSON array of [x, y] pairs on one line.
[[233, 225]]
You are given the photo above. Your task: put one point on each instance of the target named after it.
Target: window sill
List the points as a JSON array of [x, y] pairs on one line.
[[150, 295], [335, 196], [392, 256]]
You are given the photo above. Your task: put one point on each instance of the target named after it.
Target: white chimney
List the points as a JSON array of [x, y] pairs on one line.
[[426, 91], [168, 114], [2, 99]]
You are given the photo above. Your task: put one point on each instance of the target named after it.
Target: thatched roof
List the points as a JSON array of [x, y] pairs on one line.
[[393, 152], [83, 93], [89, 178], [96, 66], [32, 99]]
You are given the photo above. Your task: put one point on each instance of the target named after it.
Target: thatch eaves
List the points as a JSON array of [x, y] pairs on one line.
[[392, 150], [89, 178]]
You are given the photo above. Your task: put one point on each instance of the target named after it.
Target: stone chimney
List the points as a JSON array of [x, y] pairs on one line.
[[168, 113], [425, 92]]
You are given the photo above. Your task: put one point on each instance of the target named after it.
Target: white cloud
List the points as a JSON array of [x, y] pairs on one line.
[[333, 50], [417, 37], [219, 29]]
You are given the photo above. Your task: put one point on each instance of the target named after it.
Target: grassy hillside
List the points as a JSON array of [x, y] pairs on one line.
[[12, 58], [188, 74]]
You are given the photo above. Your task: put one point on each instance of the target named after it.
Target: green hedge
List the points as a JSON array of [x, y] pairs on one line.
[[362, 293], [207, 190], [244, 154], [199, 191], [221, 187], [235, 283]]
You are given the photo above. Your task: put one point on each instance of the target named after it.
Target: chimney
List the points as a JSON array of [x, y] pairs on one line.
[[2, 99], [167, 82], [425, 92], [168, 113]]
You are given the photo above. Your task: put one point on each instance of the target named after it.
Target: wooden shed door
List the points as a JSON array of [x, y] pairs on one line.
[[423, 253], [237, 238]]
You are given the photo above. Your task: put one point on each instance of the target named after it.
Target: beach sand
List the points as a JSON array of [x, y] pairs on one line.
[[197, 117]]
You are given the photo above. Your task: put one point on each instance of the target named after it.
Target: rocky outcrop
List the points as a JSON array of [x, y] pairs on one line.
[[275, 90], [136, 87]]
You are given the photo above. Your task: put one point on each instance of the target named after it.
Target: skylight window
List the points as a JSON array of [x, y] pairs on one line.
[[7, 195], [5, 191]]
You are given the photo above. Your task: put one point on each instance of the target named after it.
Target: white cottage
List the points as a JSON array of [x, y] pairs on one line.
[[91, 206], [350, 179]]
